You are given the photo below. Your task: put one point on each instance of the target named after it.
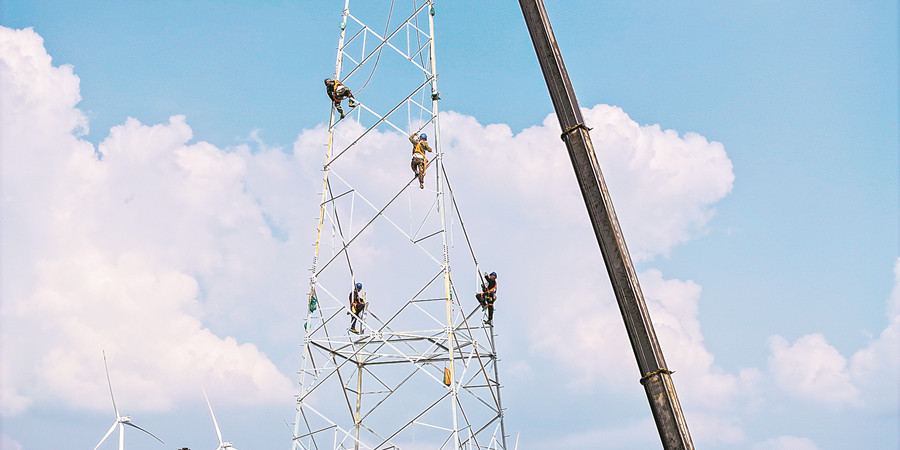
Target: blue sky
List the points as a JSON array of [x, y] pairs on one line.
[[794, 260]]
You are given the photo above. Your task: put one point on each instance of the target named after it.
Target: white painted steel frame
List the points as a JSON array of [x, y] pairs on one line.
[[451, 342]]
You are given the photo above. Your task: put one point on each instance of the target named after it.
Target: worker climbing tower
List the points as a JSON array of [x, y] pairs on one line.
[[418, 369]]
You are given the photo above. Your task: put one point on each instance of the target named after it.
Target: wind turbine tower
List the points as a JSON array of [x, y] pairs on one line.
[[223, 445], [121, 421]]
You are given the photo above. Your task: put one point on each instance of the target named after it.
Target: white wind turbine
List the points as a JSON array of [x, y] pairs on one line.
[[222, 445], [121, 421]]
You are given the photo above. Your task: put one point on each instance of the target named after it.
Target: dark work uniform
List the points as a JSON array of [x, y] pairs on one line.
[[337, 92], [356, 308], [488, 295]]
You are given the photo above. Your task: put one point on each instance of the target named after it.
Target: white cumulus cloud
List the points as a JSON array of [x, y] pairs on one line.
[[109, 250], [708, 429], [664, 187], [680, 178], [812, 368], [880, 359], [9, 443]]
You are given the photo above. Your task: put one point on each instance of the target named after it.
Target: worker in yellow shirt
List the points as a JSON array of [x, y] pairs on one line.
[[419, 162]]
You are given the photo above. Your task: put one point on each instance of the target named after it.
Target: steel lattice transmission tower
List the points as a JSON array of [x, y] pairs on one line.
[[422, 372]]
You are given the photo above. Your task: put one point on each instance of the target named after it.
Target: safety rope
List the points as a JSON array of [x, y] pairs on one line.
[[419, 36], [462, 224], [421, 55], [378, 56]]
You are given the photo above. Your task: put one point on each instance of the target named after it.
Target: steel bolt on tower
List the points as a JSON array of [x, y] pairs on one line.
[[422, 371], [655, 377]]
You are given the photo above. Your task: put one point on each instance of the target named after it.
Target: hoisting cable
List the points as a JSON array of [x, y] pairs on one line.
[[380, 48], [458, 215], [340, 229], [383, 43], [421, 56]]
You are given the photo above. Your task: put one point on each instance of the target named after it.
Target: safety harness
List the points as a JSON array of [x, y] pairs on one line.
[[418, 149], [335, 86]]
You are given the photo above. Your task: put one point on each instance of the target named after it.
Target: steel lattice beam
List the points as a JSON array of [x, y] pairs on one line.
[[386, 386]]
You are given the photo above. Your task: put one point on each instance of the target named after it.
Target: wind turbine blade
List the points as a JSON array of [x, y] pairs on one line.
[[113, 427], [218, 433], [109, 383], [517, 441], [145, 431]]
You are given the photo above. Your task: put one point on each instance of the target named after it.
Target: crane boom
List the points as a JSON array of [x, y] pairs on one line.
[[655, 377]]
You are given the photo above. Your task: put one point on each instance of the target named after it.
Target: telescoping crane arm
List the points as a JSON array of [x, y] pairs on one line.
[[655, 377]]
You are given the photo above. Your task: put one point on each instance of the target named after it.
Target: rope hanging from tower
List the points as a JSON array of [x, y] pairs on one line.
[[380, 48]]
